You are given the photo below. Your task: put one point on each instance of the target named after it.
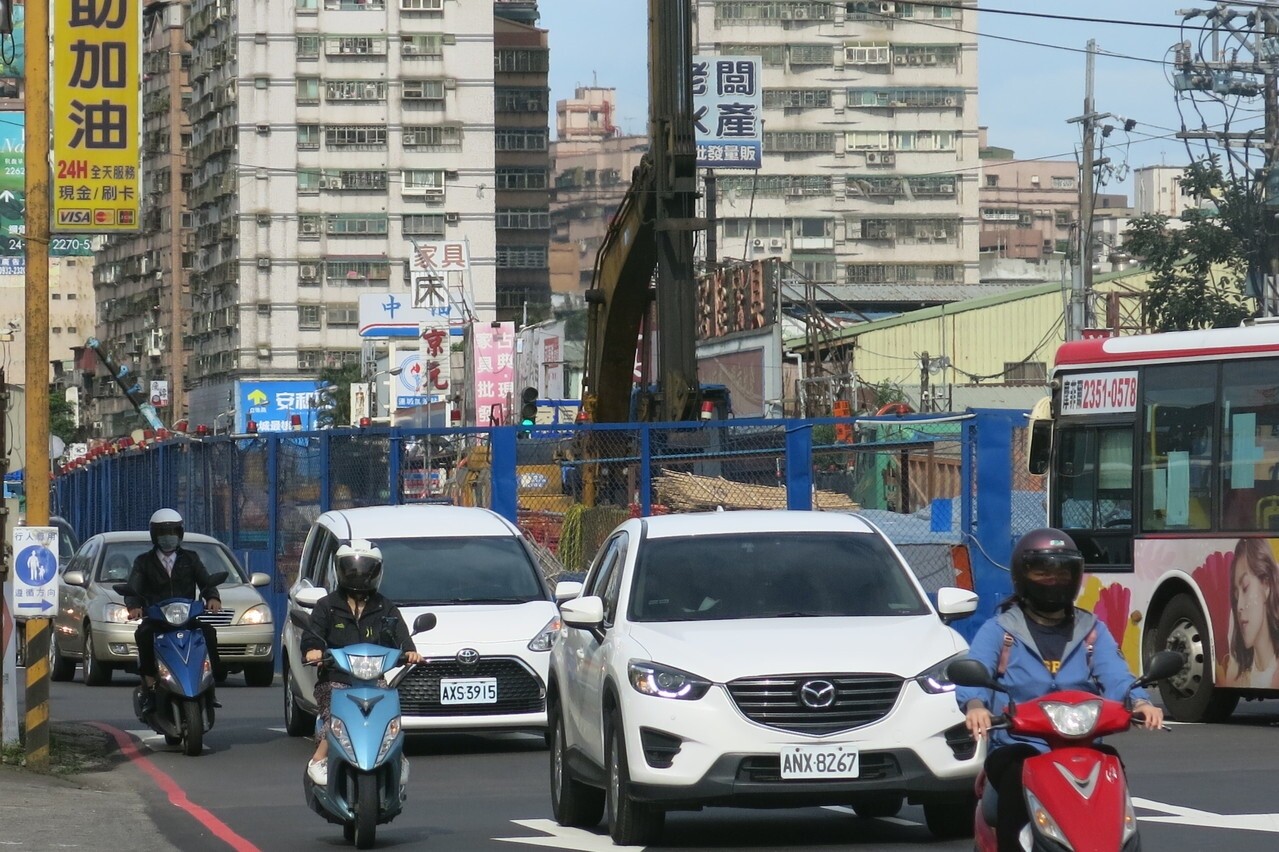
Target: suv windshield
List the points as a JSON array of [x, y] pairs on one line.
[[770, 575], [417, 571], [117, 559]]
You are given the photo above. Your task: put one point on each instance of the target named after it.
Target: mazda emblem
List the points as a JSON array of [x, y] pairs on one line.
[[468, 656], [817, 694]]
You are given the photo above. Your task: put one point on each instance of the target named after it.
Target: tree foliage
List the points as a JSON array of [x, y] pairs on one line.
[[62, 416], [342, 377], [1199, 273]]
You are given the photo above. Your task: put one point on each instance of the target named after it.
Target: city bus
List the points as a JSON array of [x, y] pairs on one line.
[[1162, 457]]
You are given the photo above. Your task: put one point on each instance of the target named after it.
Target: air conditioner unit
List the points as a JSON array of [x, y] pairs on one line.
[[949, 101], [899, 59], [308, 271], [264, 130], [916, 60], [800, 14], [408, 48], [370, 91], [331, 183], [452, 218], [264, 309], [940, 235], [888, 8], [946, 189], [887, 159], [264, 218], [930, 59], [264, 263], [757, 243], [310, 227], [153, 352], [872, 158], [784, 13], [777, 243]]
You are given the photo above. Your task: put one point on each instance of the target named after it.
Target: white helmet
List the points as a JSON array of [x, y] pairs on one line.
[[359, 567], [166, 522]]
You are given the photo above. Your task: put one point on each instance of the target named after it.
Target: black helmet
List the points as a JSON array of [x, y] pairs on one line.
[[359, 568], [165, 522], [1047, 550]]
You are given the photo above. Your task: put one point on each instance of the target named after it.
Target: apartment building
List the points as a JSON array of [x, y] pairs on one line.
[[1157, 190], [868, 184], [141, 280], [523, 162], [329, 137], [592, 165]]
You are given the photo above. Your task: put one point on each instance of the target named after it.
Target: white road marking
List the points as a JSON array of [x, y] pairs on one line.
[[565, 838], [893, 820], [1180, 815]]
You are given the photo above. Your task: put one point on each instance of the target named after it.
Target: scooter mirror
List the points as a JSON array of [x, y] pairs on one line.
[[1163, 665], [970, 673], [424, 622]]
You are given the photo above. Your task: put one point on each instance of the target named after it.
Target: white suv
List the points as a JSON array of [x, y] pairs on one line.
[[485, 660], [756, 659]]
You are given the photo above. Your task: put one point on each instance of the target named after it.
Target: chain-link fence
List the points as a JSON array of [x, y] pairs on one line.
[[935, 486]]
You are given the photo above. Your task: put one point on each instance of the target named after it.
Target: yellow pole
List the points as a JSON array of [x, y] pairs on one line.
[[36, 466]]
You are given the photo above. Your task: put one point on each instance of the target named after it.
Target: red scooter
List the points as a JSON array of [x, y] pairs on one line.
[[1076, 795]]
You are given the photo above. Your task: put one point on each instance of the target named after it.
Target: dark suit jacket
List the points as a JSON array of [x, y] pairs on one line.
[[153, 584]]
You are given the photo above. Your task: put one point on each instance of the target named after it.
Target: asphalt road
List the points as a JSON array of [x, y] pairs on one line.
[[1197, 787]]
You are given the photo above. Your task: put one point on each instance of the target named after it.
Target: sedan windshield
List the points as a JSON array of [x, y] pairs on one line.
[[417, 571], [771, 575], [118, 556]]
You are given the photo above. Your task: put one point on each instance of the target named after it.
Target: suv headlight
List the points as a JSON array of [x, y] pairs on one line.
[[546, 636], [665, 682], [257, 614], [933, 680]]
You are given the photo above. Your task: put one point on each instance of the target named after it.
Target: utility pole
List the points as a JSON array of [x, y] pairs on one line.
[[925, 404], [36, 465], [1081, 276]]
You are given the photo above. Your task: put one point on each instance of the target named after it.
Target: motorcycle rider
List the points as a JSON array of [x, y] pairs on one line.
[[1039, 643], [355, 612], [165, 571]]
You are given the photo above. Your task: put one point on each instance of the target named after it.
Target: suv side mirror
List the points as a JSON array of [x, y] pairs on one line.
[[954, 604], [566, 590], [583, 613]]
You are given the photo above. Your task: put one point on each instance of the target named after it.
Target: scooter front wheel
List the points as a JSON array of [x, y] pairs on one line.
[[366, 807], [192, 728]]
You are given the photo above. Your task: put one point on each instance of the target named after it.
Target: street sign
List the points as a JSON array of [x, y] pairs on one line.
[[35, 571]]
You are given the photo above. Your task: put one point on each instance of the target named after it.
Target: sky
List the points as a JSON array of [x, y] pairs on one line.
[[1026, 91]]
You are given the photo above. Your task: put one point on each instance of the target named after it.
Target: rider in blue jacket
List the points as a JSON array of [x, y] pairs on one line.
[[1040, 643]]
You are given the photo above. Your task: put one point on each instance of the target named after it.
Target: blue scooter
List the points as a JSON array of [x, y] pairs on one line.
[[184, 689], [368, 773]]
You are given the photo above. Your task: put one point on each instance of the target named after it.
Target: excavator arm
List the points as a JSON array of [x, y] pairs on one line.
[[653, 229]]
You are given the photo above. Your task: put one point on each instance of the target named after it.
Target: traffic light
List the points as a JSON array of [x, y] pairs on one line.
[[528, 406]]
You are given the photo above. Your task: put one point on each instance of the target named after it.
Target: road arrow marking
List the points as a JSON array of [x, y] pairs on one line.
[[1180, 815], [565, 838]]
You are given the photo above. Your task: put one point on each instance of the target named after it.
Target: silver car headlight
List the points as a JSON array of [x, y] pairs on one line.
[[365, 667], [258, 614], [114, 613], [178, 612]]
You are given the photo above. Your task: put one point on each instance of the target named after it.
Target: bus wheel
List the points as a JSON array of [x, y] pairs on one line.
[[1190, 695]]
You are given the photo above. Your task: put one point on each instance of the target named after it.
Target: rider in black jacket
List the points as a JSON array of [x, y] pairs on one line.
[[167, 571]]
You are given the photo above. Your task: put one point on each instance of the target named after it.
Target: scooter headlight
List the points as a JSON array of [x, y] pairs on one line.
[[338, 728], [178, 612], [1073, 720], [1044, 823], [366, 667], [389, 736]]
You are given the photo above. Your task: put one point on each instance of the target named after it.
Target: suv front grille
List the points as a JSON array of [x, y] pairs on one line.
[[860, 699], [518, 689]]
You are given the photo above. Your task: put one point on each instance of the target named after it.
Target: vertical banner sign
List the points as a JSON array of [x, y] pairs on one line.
[[728, 112], [97, 107], [494, 372], [435, 356]]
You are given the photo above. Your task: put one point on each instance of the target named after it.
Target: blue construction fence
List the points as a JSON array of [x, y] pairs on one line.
[[930, 482]]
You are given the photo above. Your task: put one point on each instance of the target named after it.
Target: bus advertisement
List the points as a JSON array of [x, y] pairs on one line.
[[1162, 457]]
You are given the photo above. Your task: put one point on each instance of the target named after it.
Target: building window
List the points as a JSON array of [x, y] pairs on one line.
[[310, 359], [520, 99], [772, 11], [366, 180], [308, 47], [355, 224], [308, 137], [308, 90], [344, 316], [422, 90], [356, 271], [428, 182], [521, 178], [419, 137], [772, 55], [354, 90], [355, 46], [423, 225], [796, 98], [521, 257], [1025, 373], [308, 226], [799, 141], [355, 5], [810, 54], [430, 46], [520, 61], [520, 140], [926, 54], [308, 181], [356, 137], [308, 316], [992, 180], [523, 219], [868, 53]]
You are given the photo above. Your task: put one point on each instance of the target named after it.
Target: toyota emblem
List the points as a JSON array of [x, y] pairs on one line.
[[817, 694], [468, 656]]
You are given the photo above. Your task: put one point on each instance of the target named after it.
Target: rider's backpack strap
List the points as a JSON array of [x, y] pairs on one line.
[[1007, 650]]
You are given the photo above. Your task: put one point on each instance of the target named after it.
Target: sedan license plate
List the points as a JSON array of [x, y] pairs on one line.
[[820, 761], [469, 690]]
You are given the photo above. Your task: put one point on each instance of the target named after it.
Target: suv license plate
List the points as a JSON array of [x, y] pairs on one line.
[[470, 690], [820, 761]]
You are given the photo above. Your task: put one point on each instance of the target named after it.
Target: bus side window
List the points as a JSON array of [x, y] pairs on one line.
[[1249, 447], [1177, 468]]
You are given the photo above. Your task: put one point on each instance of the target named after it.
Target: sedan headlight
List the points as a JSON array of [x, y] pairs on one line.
[[115, 613], [258, 614], [934, 681], [1072, 720], [665, 682], [366, 667], [178, 612], [546, 636]]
